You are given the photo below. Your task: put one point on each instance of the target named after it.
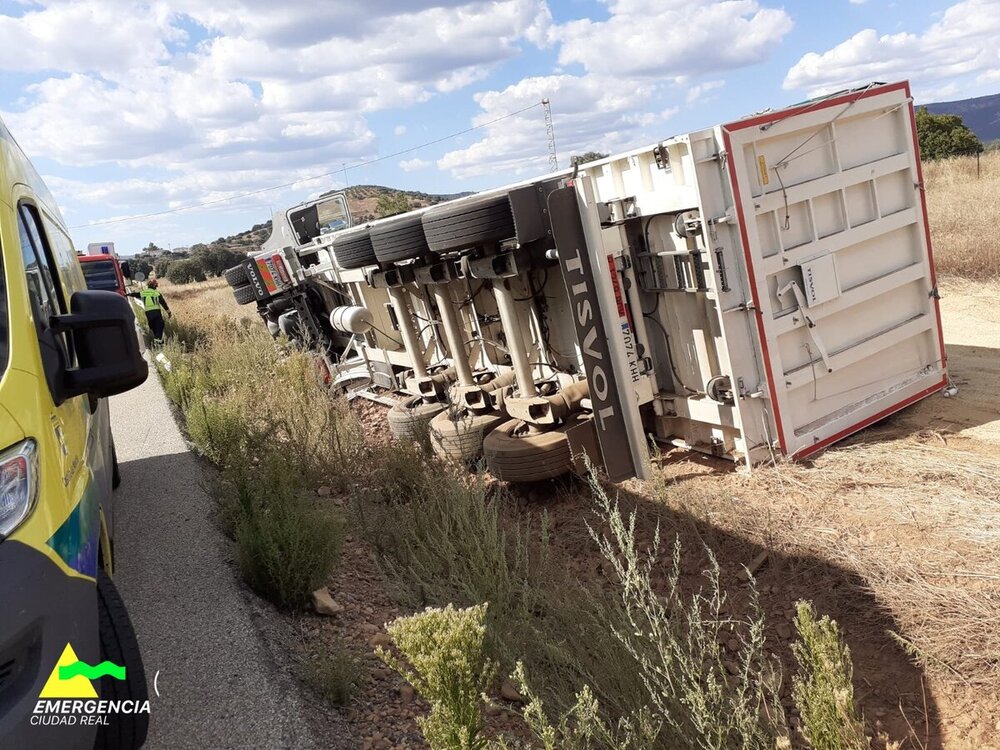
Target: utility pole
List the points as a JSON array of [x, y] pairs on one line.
[[550, 133]]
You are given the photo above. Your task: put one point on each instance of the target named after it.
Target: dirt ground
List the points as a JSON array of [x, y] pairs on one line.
[[894, 533]]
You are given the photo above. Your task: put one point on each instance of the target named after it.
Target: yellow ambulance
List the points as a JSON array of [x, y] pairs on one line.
[[71, 675]]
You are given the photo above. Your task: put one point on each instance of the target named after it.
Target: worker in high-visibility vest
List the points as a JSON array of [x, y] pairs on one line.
[[153, 303]]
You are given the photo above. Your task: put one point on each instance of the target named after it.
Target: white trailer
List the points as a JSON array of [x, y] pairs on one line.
[[806, 282], [758, 288]]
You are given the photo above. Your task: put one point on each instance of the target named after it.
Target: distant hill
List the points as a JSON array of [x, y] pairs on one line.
[[981, 114], [360, 198]]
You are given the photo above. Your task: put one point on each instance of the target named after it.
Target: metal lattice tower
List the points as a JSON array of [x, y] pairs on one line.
[[551, 135]]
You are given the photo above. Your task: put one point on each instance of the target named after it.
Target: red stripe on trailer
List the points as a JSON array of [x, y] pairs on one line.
[[781, 114], [812, 449], [619, 299], [927, 224], [758, 313]]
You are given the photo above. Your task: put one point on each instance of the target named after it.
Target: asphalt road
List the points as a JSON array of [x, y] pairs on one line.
[[219, 686]]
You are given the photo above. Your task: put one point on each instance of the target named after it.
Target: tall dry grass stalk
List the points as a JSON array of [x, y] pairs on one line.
[[964, 208]]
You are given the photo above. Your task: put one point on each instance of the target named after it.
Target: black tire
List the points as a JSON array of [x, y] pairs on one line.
[[244, 295], [279, 306], [236, 276], [409, 418], [457, 433], [116, 475], [399, 239], [353, 248], [515, 454], [469, 223], [125, 731]]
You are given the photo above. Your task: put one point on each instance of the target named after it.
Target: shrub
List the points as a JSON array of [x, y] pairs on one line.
[[581, 727], [335, 674], [286, 551], [449, 669], [823, 691], [698, 697]]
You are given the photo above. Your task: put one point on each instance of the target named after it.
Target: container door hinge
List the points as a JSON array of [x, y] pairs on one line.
[[742, 307], [800, 299], [727, 217], [662, 157], [934, 293]]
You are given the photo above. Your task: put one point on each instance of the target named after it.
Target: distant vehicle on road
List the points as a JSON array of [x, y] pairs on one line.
[[105, 273], [71, 675]]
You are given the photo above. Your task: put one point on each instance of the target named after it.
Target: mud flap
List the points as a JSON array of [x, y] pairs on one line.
[[591, 335]]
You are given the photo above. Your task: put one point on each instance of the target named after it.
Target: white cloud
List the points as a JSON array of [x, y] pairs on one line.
[[273, 86], [697, 93], [590, 113], [412, 165], [963, 46], [399, 130], [673, 38], [86, 35], [634, 62], [858, 2]]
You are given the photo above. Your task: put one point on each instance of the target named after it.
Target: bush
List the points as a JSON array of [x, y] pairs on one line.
[[823, 691], [449, 669], [335, 674], [581, 727], [700, 698], [286, 548], [267, 421]]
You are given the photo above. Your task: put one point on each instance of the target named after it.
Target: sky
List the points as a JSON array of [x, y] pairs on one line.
[[136, 108]]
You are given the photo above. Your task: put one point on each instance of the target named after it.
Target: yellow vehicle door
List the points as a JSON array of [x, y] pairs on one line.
[[73, 499]]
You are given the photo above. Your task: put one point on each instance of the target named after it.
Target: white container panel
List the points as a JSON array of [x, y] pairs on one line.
[[846, 308]]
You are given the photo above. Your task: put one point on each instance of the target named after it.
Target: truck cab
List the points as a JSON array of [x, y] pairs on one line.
[[64, 349], [104, 272]]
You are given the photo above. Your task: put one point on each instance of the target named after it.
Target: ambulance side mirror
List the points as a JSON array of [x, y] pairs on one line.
[[101, 327]]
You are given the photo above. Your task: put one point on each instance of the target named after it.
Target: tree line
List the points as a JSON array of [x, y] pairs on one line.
[[197, 263]]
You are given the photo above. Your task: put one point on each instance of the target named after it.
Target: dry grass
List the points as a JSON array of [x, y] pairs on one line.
[[964, 210], [204, 300], [917, 520]]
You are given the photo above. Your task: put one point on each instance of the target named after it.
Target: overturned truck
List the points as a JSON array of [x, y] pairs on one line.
[[757, 288]]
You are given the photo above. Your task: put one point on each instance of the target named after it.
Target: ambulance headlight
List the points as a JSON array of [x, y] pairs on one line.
[[18, 485]]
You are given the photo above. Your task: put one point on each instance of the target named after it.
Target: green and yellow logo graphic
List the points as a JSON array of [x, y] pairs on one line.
[[71, 678]]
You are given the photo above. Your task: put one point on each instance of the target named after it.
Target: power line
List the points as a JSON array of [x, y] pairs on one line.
[[343, 168]]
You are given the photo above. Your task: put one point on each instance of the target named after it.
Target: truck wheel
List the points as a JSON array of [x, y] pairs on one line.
[[458, 433], [353, 248], [279, 306], [244, 294], [399, 239], [236, 276], [468, 223], [409, 418], [119, 646], [517, 453]]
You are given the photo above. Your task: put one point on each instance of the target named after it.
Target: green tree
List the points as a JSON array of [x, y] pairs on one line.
[[943, 136], [139, 265], [390, 204], [185, 271], [213, 259]]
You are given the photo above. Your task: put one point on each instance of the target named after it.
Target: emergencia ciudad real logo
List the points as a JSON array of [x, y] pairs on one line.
[[70, 698]]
